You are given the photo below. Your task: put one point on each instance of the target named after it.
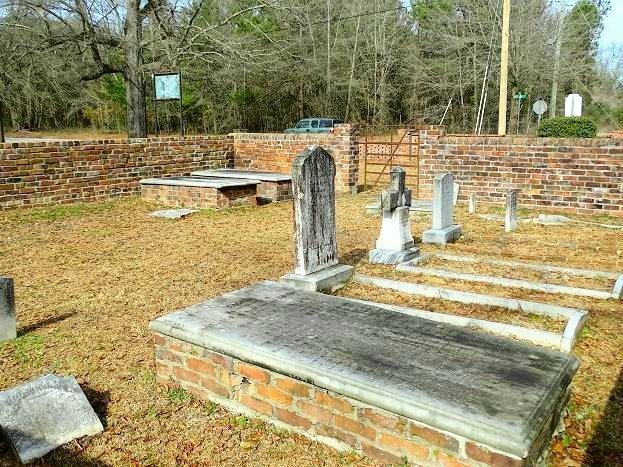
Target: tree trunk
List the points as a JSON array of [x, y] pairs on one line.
[[135, 91]]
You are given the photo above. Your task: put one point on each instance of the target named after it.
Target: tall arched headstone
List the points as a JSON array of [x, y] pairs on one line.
[[444, 230], [313, 191], [315, 246]]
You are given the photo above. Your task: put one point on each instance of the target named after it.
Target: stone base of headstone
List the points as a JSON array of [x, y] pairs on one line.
[[442, 236], [380, 256], [617, 292], [326, 280]]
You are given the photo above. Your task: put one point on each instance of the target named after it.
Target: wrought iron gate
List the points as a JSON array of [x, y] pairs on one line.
[[386, 147]]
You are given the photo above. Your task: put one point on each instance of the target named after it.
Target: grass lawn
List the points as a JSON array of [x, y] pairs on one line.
[[90, 277]]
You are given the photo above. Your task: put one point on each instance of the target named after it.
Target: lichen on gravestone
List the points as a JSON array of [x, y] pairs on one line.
[[313, 190]]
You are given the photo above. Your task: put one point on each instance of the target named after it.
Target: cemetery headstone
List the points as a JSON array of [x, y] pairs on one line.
[[8, 324], [43, 414], [444, 230], [316, 264], [510, 219], [455, 193], [472, 203], [395, 243]]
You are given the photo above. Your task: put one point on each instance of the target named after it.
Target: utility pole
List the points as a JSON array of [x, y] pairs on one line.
[[554, 96], [506, 16], [1, 122]]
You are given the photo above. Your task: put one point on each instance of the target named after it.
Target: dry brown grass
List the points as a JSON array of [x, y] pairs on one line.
[[89, 278]]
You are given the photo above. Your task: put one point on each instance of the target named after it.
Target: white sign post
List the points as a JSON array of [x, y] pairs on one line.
[[539, 108], [168, 87], [573, 105]]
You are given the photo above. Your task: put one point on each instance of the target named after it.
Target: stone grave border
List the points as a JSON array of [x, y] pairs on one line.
[[617, 292], [575, 318]]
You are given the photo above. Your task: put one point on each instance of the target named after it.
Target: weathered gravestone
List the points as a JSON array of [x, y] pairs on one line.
[[43, 414], [472, 203], [395, 243], [8, 325], [315, 247], [510, 220], [444, 230]]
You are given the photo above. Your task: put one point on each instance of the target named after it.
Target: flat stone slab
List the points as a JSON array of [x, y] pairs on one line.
[[326, 280], [236, 173], [45, 413], [489, 389], [200, 182], [173, 213]]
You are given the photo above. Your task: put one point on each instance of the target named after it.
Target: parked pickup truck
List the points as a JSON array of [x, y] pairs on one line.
[[314, 125]]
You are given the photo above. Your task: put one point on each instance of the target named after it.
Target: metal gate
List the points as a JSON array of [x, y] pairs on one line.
[[387, 147]]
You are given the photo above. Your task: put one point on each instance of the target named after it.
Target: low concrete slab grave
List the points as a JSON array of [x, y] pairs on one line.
[[200, 182], [480, 390], [242, 174], [173, 213], [43, 414]]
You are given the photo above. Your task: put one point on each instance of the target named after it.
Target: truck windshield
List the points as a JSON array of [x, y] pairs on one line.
[[303, 124]]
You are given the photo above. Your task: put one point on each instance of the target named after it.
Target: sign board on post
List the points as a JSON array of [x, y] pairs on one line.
[[573, 105], [539, 108], [168, 87]]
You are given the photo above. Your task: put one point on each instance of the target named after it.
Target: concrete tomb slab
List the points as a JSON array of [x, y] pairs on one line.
[[502, 393], [395, 243], [444, 230], [200, 182], [173, 213], [243, 174], [8, 323], [315, 244], [41, 415]]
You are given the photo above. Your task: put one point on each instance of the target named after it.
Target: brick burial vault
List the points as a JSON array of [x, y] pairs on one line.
[[357, 376]]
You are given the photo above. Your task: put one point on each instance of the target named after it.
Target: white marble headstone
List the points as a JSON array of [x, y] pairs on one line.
[[443, 194]]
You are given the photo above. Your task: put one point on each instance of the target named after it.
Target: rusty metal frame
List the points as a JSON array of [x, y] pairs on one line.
[[369, 136]]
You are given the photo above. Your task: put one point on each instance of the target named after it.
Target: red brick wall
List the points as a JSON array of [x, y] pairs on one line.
[[319, 413], [573, 175], [200, 197], [275, 152], [64, 172]]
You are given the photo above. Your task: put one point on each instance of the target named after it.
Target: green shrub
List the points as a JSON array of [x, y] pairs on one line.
[[568, 127]]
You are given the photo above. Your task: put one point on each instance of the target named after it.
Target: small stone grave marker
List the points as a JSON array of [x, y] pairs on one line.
[[510, 219], [315, 246], [472, 203], [444, 230], [8, 324], [41, 415], [395, 243]]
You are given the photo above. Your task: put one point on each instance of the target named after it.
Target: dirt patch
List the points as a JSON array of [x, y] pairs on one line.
[[90, 277]]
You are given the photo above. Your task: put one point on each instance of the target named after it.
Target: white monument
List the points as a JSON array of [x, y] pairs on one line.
[[395, 244], [444, 230], [573, 105]]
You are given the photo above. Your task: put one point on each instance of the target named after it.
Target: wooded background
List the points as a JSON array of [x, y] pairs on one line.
[[262, 65]]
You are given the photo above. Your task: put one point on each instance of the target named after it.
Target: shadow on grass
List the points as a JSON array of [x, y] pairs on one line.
[[354, 256], [45, 322], [606, 446]]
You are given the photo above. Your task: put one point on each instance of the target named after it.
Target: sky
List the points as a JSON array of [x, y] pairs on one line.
[[613, 25]]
